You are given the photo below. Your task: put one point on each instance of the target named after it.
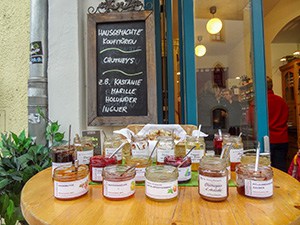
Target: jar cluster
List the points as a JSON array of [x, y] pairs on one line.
[[159, 164]]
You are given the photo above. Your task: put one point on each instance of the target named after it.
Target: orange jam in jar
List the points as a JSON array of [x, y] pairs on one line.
[[236, 150], [97, 163], [255, 184], [70, 182], [161, 182], [118, 182], [213, 180], [198, 151], [140, 164], [184, 171], [62, 156]]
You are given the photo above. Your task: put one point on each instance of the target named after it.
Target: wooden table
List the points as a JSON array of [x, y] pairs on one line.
[[40, 207]]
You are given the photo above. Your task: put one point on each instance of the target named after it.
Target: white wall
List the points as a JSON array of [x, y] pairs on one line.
[[67, 72]]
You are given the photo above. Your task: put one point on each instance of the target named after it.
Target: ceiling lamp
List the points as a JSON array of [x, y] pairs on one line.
[[214, 25], [200, 49]]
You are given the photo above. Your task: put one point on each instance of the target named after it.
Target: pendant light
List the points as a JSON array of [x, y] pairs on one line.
[[214, 25], [200, 49]]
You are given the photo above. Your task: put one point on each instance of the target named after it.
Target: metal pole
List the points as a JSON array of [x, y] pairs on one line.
[[37, 82]]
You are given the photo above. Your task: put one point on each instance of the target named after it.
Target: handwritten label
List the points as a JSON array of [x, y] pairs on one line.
[[121, 69]]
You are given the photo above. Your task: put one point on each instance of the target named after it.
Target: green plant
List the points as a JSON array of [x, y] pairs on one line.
[[20, 159], [52, 131]]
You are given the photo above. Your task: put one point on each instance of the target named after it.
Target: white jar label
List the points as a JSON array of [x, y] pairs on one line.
[[184, 173], [71, 189], [84, 156], [214, 187], [119, 189], [236, 154], [55, 165], [97, 173], [259, 189], [162, 153], [140, 174], [109, 151], [196, 155], [159, 190]]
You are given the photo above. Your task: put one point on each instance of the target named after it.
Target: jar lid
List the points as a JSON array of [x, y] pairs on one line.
[[161, 173], [118, 171]]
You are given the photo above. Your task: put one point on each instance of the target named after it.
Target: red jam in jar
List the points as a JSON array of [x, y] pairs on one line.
[[184, 170], [70, 182], [255, 184], [118, 182], [97, 163]]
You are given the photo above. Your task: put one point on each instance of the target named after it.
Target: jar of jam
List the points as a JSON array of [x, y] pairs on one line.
[[218, 141], [70, 182], [140, 164], [139, 146], [213, 181], [118, 182], [185, 170], [198, 151], [62, 156], [255, 184], [161, 182], [97, 163], [236, 150], [84, 149], [164, 148], [111, 144]]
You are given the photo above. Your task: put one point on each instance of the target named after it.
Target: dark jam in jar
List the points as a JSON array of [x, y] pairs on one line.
[[97, 163], [62, 156], [255, 184], [184, 170]]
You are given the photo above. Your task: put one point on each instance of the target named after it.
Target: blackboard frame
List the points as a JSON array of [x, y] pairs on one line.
[[92, 21]]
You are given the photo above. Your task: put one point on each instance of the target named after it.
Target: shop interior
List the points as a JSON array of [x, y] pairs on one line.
[[224, 64]]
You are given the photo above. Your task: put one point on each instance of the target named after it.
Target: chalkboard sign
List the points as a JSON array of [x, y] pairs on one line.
[[121, 69], [122, 75]]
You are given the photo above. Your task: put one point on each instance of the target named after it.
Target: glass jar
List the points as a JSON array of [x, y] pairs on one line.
[[62, 156], [140, 164], [161, 182], [164, 148], [180, 149], [69, 182], [255, 184], [118, 182], [139, 146], [213, 181], [236, 150], [184, 171], [97, 163], [198, 151], [111, 144], [84, 149]]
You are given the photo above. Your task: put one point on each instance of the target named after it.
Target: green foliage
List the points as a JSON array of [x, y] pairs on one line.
[[20, 159], [52, 131]]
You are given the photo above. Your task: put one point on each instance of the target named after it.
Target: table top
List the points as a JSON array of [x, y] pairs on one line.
[[40, 207]]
